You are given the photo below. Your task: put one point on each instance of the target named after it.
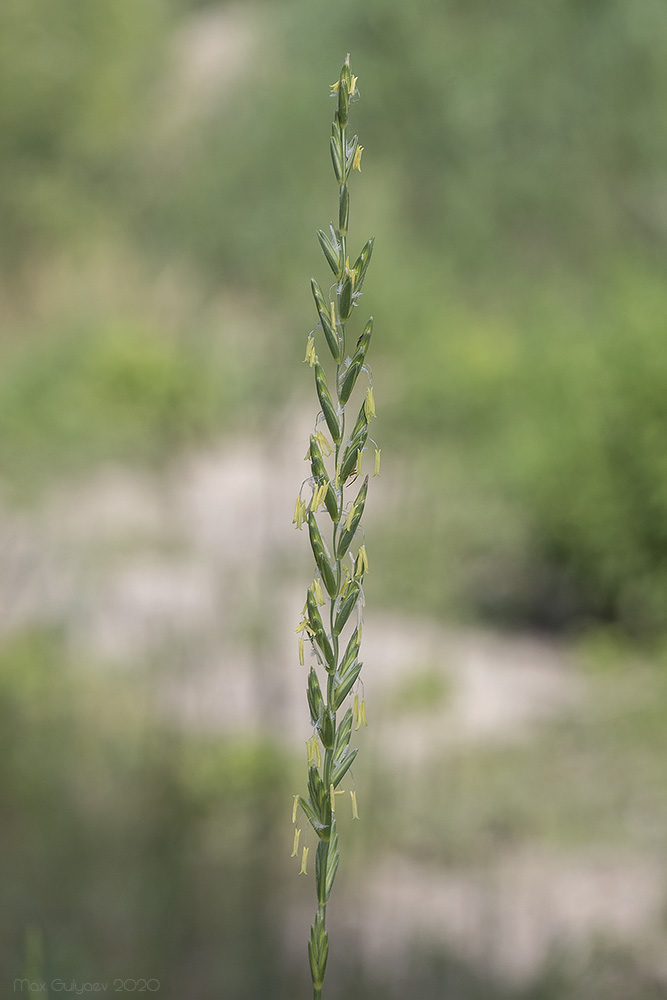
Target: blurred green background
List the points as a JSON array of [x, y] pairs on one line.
[[164, 167]]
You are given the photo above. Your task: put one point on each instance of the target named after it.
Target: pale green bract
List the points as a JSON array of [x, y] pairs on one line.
[[331, 637]]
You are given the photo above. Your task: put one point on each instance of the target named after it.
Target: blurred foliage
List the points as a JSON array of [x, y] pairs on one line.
[[120, 392], [425, 690], [515, 174], [76, 77], [137, 851], [132, 848]]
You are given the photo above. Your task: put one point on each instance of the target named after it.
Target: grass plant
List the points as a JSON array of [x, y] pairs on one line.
[[333, 635]]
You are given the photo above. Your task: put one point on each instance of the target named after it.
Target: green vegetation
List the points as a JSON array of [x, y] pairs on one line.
[[115, 827], [117, 393], [138, 849], [522, 303], [425, 690], [153, 255]]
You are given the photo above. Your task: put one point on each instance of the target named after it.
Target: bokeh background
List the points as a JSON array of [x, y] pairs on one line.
[[164, 167]]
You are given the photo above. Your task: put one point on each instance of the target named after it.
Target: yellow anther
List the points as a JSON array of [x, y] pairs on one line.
[[317, 592], [355, 713], [301, 657], [356, 162], [311, 356], [332, 796], [355, 811], [299, 512], [333, 315], [378, 452], [353, 83], [304, 627], [334, 86], [295, 845], [318, 496], [313, 751], [295, 806], [361, 562], [348, 520], [360, 455], [369, 403], [304, 861], [325, 447]]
